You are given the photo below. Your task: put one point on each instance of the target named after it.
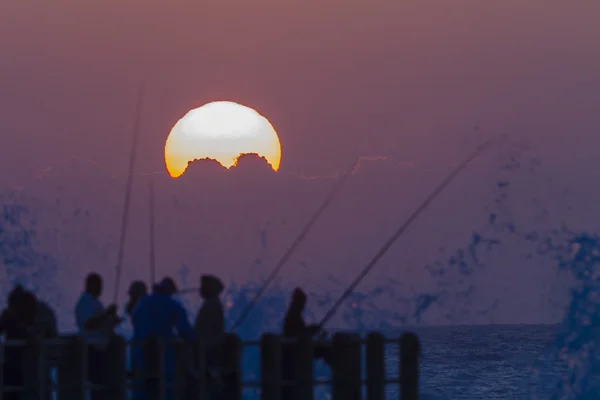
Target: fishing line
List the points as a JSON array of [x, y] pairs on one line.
[[401, 230], [125, 218], [340, 183]]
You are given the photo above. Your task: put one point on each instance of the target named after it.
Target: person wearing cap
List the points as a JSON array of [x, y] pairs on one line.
[[136, 291], [295, 328], [210, 330], [157, 316]]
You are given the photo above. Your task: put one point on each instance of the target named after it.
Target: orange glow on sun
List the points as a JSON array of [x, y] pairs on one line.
[[221, 131]]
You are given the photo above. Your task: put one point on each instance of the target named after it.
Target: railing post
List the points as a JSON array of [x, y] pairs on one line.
[[232, 374], [33, 369], [346, 367], [410, 351], [72, 369], [304, 369], [375, 366], [270, 367], [117, 368]]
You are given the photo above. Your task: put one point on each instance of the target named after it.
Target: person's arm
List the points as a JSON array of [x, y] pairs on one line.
[[313, 329], [5, 320], [91, 316], [199, 321], [182, 324], [51, 325], [97, 320]]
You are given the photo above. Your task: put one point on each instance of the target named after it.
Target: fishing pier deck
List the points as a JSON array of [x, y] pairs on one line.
[[357, 369]]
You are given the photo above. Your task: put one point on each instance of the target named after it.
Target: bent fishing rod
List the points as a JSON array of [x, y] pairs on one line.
[[125, 217], [303, 233], [388, 244]]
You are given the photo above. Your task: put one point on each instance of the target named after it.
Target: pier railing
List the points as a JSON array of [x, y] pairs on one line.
[[59, 369]]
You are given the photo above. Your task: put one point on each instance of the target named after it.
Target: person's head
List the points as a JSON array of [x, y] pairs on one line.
[[137, 289], [27, 306], [15, 296], [210, 286], [93, 284], [166, 286], [298, 299]]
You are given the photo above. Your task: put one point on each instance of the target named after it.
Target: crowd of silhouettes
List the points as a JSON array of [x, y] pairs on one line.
[[153, 314]]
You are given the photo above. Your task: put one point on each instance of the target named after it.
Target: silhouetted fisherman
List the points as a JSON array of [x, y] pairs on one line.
[[96, 325], [295, 328], [45, 319], [136, 291], [17, 323], [157, 316], [210, 329], [44, 327]]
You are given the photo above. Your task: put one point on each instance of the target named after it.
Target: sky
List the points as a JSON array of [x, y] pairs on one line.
[[421, 83]]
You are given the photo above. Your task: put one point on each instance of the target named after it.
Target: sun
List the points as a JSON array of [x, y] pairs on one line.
[[222, 131]]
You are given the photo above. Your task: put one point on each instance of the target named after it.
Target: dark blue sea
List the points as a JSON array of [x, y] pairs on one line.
[[489, 362], [475, 362]]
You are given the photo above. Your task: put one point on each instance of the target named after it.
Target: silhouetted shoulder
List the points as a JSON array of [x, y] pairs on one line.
[[46, 320]]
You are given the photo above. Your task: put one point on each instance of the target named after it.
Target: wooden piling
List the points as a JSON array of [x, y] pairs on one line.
[[375, 360], [35, 380], [191, 375], [346, 367], [410, 352], [72, 369], [232, 373], [270, 367], [116, 360], [304, 354]]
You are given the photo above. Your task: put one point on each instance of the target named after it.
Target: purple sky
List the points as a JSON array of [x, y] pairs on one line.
[[404, 80]]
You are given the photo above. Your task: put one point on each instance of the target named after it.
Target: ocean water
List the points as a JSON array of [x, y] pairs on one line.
[[470, 362], [490, 362], [459, 362]]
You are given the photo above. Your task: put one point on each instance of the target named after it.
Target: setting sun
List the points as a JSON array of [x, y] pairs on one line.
[[221, 131]]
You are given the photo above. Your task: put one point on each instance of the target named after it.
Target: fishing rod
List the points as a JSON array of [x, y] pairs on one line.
[[125, 218], [340, 183], [152, 241], [439, 189]]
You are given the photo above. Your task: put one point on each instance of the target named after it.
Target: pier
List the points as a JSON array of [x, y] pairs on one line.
[[357, 369]]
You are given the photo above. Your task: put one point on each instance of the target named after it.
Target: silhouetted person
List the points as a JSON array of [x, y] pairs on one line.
[[137, 290], [210, 329], [17, 323], [295, 328], [96, 325], [157, 316], [45, 328], [45, 321]]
